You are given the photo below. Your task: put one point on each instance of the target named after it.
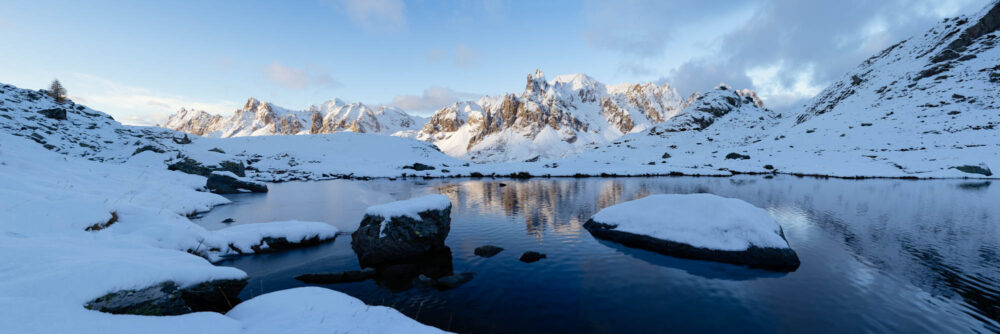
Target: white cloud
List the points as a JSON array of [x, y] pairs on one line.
[[299, 79], [135, 105], [385, 15], [432, 99]]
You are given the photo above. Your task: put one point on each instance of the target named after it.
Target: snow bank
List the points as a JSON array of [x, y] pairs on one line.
[[319, 310], [700, 220], [250, 238], [410, 208], [53, 265]]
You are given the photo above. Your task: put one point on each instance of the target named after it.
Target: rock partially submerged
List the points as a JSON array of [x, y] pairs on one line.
[[263, 238], [402, 229], [453, 281], [228, 183], [698, 226], [488, 251], [341, 277], [531, 256], [168, 298]]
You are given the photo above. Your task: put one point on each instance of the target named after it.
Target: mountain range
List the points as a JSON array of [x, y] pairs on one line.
[[926, 107], [548, 120], [263, 118]]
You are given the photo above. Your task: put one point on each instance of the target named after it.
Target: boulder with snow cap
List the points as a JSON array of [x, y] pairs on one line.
[[228, 183], [698, 226], [403, 229]]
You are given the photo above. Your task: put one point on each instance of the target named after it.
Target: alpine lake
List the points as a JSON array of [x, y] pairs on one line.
[[877, 255]]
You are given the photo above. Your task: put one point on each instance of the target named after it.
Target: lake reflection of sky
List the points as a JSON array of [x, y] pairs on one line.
[[877, 255]]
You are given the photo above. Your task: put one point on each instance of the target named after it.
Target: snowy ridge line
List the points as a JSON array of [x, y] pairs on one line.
[[258, 118]]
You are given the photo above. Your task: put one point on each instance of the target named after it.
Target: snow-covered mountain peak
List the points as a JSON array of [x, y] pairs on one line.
[[262, 118], [550, 119]]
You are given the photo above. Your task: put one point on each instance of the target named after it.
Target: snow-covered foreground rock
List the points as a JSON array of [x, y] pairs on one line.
[[74, 231], [318, 310], [697, 226], [402, 229]]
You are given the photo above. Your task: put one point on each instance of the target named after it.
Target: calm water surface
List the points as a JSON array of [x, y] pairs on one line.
[[877, 256]]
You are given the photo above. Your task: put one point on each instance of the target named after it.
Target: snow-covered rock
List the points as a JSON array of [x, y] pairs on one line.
[[258, 118], [402, 229], [274, 236], [697, 226], [319, 310]]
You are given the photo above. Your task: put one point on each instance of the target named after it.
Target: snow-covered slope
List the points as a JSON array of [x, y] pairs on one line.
[[79, 131], [74, 230], [926, 107], [258, 118], [921, 106], [550, 119]]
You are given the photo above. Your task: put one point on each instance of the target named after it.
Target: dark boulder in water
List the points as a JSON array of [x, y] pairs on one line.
[[488, 251], [453, 281], [381, 239], [531, 256]]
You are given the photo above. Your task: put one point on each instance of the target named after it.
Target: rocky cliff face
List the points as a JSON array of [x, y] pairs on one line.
[[261, 118], [549, 119]]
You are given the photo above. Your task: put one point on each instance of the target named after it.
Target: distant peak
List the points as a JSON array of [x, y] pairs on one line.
[[536, 82], [251, 103]]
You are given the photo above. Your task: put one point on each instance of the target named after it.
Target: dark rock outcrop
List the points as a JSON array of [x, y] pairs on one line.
[[168, 298], [403, 237], [419, 167], [189, 166], [403, 274], [735, 155], [777, 259], [488, 251], [981, 169], [531, 256], [54, 113], [225, 184]]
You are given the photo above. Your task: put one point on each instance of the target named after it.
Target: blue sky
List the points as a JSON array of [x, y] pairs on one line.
[[141, 60]]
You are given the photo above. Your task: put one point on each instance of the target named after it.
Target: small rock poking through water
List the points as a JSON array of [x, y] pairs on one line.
[[531, 256], [488, 251]]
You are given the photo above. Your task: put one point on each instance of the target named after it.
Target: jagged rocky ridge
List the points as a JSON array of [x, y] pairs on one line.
[[257, 118], [549, 119]]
